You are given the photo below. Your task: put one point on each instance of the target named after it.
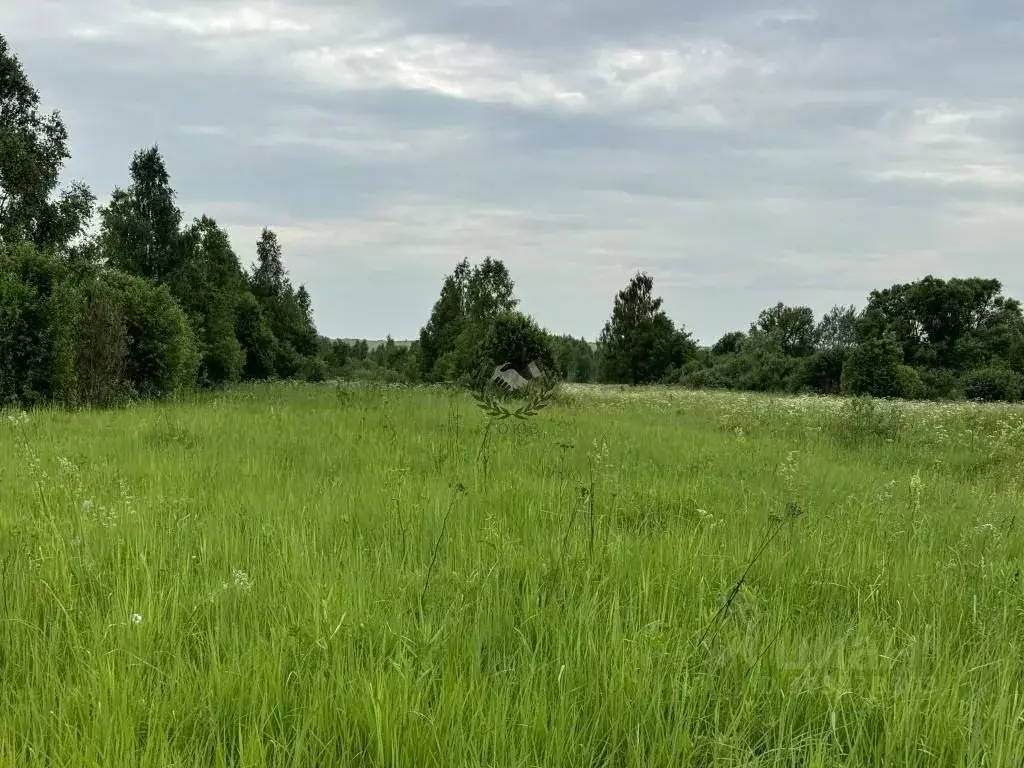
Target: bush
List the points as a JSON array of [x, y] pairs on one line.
[[864, 419], [993, 384], [288, 362], [729, 344], [315, 369], [704, 378], [38, 325], [516, 339], [102, 345], [909, 384], [940, 384], [765, 369], [162, 355], [821, 372], [872, 368]]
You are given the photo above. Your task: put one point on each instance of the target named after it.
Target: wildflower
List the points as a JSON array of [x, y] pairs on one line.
[[136, 618], [239, 580]]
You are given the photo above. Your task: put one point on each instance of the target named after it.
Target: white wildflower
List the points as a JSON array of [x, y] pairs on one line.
[[239, 580], [136, 618]]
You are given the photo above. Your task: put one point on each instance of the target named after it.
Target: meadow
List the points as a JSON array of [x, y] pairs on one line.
[[302, 575]]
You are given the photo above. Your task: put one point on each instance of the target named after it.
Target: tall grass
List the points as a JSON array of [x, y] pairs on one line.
[[282, 576]]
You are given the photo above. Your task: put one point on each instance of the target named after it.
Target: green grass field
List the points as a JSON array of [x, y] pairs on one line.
[[315, 576]]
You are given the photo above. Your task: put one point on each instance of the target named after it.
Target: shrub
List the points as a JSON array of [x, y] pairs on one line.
[[909, 384], [102, 345], [940, 384], [162, 355], [872, 368], [704, 378], [38, 319], [864, 419], [993, 384], [821, 372]]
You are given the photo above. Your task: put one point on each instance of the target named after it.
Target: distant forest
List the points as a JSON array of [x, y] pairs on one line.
[[148, 304]]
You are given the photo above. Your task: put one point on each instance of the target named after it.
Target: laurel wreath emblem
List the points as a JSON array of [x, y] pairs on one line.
[[542, 392]]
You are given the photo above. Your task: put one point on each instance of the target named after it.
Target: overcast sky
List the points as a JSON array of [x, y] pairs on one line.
[[741, 152]]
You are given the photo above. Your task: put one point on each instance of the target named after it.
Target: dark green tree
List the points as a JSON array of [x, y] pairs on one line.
[[257, 340], [993, 384], [837, 328], [574, 359], [141, 226], [516, 340], [791, 329], [33, 148], [438, 336], [209, 286], [955, 324], [451, 342], [640, 344], [288, 311], [489, 291], [38, 327], [873, 368], [729, 344], [103, 344]]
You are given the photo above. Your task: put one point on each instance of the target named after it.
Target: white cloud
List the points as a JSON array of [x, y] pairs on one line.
[[945, 144], [675, 80]]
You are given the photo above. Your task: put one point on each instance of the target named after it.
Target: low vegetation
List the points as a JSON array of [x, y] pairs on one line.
[[315, 575]]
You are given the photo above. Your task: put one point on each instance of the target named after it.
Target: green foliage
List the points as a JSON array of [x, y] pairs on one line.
[[837, 329], [729, 344], [821, 372], [790, 329], [640, 344], [872, 368], [210, 285], [452, 343], [287, 310], [993, 384], [516, 340], [103, 345], [38, 325], [575, 359], [258, 343], [909, 383], [863, 419], [954, 324], [701, 377], [171, 308], [940, 384], [162, 353], [140, 232], [33, 148]]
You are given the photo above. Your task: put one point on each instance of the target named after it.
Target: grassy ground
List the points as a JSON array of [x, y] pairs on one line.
[[302, 576]]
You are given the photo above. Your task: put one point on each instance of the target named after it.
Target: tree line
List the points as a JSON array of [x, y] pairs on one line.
[[103, 304]]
